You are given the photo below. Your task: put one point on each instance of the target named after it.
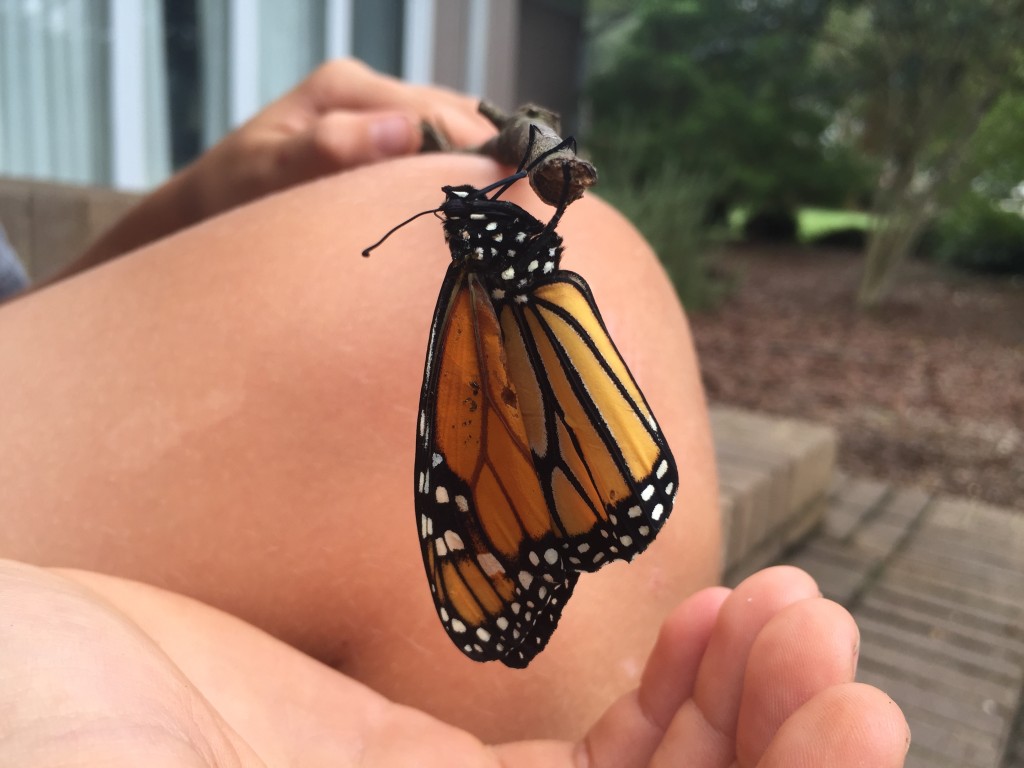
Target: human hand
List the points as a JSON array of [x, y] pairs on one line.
[[342, 116], [97, 669]]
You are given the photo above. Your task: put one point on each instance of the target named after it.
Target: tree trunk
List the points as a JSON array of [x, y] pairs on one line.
[[894, 237]]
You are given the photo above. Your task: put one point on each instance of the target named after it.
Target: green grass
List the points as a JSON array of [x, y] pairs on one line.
[[815, 222], [811, 222]]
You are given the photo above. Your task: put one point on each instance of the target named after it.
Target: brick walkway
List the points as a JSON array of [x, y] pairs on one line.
[[936, 585]]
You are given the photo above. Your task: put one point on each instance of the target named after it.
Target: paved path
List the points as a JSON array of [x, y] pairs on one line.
[[936, 584]]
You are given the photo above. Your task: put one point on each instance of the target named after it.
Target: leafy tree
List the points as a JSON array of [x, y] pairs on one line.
[[725, 90], [984, 229], [924, 74]]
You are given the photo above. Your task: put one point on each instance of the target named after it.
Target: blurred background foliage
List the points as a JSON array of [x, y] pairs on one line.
[[901, 117]]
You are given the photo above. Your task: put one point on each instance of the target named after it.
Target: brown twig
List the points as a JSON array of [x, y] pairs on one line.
[[548, 176]]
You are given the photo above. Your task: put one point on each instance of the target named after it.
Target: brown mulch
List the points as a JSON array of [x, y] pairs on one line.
[[927, 390]]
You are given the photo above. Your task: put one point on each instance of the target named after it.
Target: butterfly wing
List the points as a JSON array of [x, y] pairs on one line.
[[607, 472], [492, 556]]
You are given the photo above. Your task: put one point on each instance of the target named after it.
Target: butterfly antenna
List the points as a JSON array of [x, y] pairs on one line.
[[390, 232]]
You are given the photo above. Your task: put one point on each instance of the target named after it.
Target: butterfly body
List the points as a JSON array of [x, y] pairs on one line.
[[537, 457]]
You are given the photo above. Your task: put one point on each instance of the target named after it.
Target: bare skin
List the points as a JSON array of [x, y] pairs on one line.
[[227, 414]]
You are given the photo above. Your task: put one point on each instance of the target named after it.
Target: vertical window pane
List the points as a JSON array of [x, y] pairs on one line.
[[377, 33]]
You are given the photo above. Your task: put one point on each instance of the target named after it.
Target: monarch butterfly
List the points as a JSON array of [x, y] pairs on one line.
[[537, 456]]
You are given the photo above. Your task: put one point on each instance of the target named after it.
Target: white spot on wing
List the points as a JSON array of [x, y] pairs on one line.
[[441, 494], [453, 540], [458, 626], [526, 579], [489, 564], [662, 469], [462, 503], [551, 557], [657, 512], [647, 493]]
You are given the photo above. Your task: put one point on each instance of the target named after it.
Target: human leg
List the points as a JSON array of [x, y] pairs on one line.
[[229, 414]]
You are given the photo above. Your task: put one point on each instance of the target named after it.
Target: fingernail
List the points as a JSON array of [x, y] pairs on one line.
[[391, 135]]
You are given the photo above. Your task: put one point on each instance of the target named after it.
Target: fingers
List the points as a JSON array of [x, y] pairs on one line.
[[341, 140], [632, 728], [749, 608], [808, 647], [843, 726], [348, 84]]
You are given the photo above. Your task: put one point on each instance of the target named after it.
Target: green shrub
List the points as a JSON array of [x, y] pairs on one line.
[[978, 234], [669, 208]]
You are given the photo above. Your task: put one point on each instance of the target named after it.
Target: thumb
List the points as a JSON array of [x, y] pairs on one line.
[[340, 140]]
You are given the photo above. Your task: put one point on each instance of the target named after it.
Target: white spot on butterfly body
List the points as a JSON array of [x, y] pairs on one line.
[[533, 265], [491, 226], [460, 192], [498, 237], [520, 237], [508, 274], [477, 216], [549, 267]]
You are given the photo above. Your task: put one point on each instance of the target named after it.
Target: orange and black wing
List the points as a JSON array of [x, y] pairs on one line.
[[537, 458], [603, 463], [494, 559]]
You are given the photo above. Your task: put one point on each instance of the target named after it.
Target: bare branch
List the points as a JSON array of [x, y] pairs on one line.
[[547, 177]]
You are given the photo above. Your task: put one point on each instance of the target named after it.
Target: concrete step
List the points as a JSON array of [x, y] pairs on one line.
[[774, 475], [936, 584]]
